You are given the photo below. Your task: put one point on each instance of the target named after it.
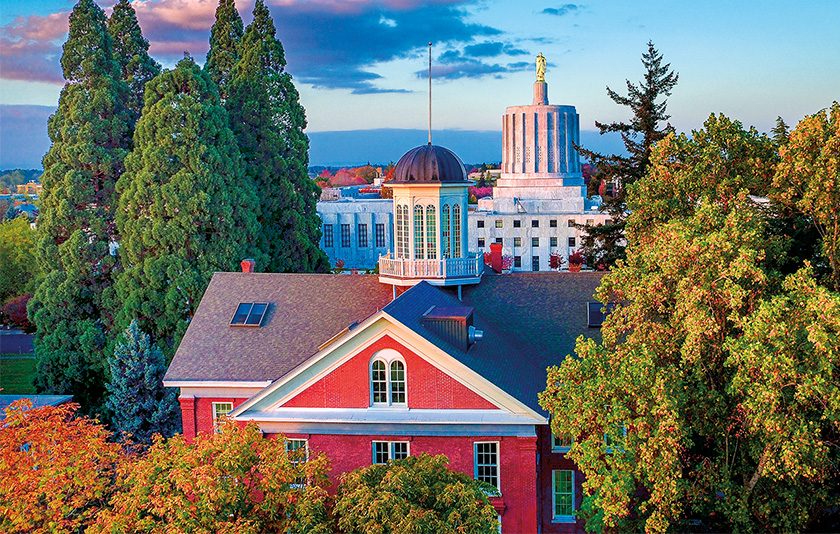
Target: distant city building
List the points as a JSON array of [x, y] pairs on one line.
[[540, 194], [31, 188], [356, 231]]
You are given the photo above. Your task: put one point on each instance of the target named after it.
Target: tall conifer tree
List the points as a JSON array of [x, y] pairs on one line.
[[131, 51], [185, 209], [90, 135], [225, 38], [268, 121], [604, 244]]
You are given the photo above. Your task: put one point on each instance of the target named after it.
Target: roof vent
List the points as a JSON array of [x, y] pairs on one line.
[[475, 335], [453, 324]]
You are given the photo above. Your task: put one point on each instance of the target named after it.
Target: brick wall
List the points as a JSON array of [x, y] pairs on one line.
[[427, 386], [550, 461]]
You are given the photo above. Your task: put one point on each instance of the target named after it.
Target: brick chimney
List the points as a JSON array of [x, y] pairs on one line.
[[496, 256], [248, 265]]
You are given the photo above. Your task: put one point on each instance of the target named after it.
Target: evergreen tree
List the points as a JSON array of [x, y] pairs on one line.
[[140, 404], [90, 135], [780, 133], [131, 51], [185, 208], [225, 38], [605, 244], [268, 121]]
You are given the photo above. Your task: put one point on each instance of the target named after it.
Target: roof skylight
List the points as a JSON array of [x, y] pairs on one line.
[[249, 314]]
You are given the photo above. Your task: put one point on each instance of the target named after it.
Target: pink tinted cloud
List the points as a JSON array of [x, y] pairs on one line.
[[30, 48]]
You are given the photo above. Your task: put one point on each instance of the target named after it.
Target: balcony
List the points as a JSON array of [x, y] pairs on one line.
[[446, 272]]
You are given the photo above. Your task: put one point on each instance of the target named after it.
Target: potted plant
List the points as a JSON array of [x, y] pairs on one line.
[[556, 261], [507, 263]]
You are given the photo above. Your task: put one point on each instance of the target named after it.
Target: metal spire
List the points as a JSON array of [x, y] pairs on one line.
[[430, 93]]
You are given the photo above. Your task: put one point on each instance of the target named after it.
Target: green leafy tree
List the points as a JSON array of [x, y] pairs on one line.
[[604, 244], [268, 121], [416, 494], [185, 209], [131, 51], [90, 137], [808, 181], [18, 269], [225, 38], [712, 402], [231, 481], [139, 403]]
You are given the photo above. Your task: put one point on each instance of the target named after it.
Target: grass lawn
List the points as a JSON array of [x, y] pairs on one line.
[[16, 375]]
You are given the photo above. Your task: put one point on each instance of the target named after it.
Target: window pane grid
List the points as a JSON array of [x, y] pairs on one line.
[[361, 230], [444, 231], [379, 382], [397, 382], [328, 235], [456, 231], [563, 493], [419, 253], [380, 235], [345, 235], [431, 233], [487, 463]]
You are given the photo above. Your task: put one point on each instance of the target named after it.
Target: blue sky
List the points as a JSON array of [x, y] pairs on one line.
[[360, 64]]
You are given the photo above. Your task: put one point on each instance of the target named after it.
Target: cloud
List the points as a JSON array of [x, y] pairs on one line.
[[454, 64], [30, 49], [565, 9], [492, 49]]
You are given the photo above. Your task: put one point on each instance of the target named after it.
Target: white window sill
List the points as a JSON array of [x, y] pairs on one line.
[[564, 519], [561, 449]]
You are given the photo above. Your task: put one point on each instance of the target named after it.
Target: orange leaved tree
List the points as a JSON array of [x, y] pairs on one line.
[[57, 469], [231, 481]]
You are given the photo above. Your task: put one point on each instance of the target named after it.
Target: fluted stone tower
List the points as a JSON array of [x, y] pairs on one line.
[[539, 160]]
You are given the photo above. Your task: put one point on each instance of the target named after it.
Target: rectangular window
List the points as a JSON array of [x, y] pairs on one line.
[[498, 223], [571, 242], [561, 443], [345, 235], [552, 223], [500, 241], [571, 223], [590, 222], [481, 243], [380, 235], [535, 263], [563, 490], [361, 231], [535, 241], [517, 223], [486, 462], [594, 316], [479, 224], [553, 241], [535, 223], [517, 241], [249, 314], [220, 409], [298, 453], [388, 451], [517, 261], [608, 222], [616, 437], [328, 236]]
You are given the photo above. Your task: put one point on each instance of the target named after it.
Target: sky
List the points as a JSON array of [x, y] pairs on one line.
[[361, 65]]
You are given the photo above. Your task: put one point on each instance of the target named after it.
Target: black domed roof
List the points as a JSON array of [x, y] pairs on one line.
[[430, 163]]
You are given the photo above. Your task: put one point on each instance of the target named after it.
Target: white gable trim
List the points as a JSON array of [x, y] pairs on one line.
[[347, 346]]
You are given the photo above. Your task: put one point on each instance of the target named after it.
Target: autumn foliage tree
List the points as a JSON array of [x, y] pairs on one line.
[[713, 401], [231, 481], [58, 469], [416, 494]]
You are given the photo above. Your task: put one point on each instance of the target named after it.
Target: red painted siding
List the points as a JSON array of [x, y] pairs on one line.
[[517, 465], [427, 386], [550, 461]]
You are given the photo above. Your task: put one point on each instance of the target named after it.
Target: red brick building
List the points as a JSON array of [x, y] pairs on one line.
[[344, 366]]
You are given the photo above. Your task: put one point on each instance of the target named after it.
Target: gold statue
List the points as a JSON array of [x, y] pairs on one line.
[[540, 67]]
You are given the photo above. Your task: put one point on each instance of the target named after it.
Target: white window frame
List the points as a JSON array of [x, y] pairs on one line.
[[217, 415], [559, 448], [388, 356], [498, 462], [390, 445], [301, 482], [561, 518]]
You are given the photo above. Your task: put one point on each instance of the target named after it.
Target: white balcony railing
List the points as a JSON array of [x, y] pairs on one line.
[[428, 269]]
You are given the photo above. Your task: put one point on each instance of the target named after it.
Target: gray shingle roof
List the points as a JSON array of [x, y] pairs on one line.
[[305, 310], [530, 321]]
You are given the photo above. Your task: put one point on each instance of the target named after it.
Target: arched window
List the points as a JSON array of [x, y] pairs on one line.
[[431, 233], [399, 251], [456, 231], [387, 379], [419, 253], [444, 231]]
